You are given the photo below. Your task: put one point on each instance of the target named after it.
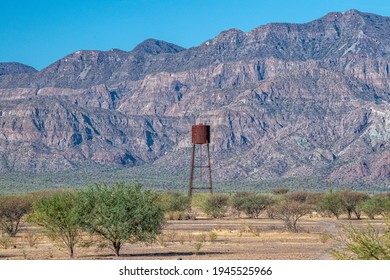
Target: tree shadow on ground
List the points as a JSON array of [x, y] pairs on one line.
[[151, 255]]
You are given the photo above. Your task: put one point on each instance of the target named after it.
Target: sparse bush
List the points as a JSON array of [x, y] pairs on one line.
[[325, 236], [202, 237], [171, 235], [5, 241], [197, 247], [352, 201], [32, 239], [216, 205], [243, 229], [190, 236], [280, 190], [175, 204], [60, 216], [181, 238], [270, 210], [162, 240], [12, 210], [213, 236], [298, 196], [246, 228], [251, 204], [175, 215], [290, 212], [256, 232]]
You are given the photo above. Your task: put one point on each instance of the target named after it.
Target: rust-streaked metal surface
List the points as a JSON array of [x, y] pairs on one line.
[[200, 134]]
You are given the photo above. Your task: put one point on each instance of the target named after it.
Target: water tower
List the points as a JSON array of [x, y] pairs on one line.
[[200, 162]]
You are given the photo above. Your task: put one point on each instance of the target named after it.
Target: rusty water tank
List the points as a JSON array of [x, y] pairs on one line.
[[200, 134]]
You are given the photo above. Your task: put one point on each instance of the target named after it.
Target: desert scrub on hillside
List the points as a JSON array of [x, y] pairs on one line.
[[121, 213], [12, 210], [363, 244]]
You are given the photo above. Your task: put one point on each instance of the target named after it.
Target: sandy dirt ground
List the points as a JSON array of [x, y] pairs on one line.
[[202, 239]]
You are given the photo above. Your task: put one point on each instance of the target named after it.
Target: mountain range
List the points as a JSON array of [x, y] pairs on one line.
[[283, 101]]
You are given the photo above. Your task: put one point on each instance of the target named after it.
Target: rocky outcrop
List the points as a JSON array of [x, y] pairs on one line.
[[284, 100]]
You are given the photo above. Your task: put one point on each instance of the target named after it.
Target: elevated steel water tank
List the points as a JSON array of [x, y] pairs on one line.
[[200, 134]]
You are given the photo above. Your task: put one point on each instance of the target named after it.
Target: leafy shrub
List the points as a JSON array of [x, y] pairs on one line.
[[385, 204], [198, 199], [175, 202], [376, 205], [216, 205], [251, 204], [372, 207], [121, 213], [60, 216], [176, 205], [280, 190], [238, 200], [333, 203]]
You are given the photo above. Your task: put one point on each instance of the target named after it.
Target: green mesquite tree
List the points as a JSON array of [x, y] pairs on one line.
[[60, 216], [121, 213]]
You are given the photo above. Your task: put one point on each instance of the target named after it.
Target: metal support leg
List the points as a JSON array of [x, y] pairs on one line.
[[200, 165], [192, 171], [209, 163]]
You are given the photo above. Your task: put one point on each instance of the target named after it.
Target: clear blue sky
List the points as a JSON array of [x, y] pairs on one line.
[[37, 33]]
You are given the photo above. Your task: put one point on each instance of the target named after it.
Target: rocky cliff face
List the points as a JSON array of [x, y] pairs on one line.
[[283, 100]]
